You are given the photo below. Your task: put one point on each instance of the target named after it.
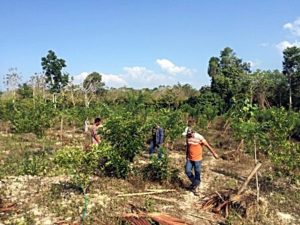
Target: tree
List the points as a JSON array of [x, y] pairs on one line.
[[37, 83], [227, 73], [267, 88], [291, 68], [92, 85], [25, 91], [11, 80], [54, 77]]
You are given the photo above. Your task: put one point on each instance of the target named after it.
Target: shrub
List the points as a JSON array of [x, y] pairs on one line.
[[32, 116], [158, 169], [123, 131], [35, 163]]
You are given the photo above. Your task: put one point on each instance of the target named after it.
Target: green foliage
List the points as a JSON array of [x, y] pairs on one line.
[[123, 130], [31, 116], [287, 160], [271, 129], [52, 67], [291, 68], [159, 168], [35, 163], [207, 105], [115, 165], [79, 164], [25, 91], [228, 73], [93, 83]]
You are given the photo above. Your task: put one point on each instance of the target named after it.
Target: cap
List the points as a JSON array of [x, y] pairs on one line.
[[186, 131]]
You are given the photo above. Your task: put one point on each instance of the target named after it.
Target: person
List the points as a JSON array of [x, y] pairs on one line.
[[157, 140], [195, 142], [94, 132]]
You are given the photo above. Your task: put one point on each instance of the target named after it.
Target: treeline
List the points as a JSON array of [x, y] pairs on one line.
[[260, 107], [232, 82]]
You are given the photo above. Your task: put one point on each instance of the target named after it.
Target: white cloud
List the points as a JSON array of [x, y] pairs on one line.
[[137, 71], [169, 67], [293, 27], [142, 77], [110, 80], [78, 79], [286, 44]]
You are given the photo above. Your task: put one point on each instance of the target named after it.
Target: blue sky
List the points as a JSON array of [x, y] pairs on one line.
[[144, 43]]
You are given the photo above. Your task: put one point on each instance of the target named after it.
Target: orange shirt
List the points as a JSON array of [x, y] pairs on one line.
[[195, 147], [195, 152]]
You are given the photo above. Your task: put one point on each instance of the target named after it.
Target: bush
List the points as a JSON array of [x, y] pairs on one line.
[[272, 130], [158, 169], [35, 163], [78, 163], [29, 116], [123, 131]]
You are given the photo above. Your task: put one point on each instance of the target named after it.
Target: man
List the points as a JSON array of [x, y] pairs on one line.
[[195, 142], [94, 133], [157, 140]]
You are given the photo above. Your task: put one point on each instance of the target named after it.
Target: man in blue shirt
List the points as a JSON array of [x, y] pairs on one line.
[[157, 140]]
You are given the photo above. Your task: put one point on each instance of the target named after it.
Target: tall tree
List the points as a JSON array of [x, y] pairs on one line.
[[227, 72], [54, 76], [92, 85], [291, 68], [267, 88]]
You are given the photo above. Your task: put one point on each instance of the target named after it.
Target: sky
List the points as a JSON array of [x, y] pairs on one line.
[[139, 43]]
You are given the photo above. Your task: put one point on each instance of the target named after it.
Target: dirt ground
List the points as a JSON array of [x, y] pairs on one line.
[[53, 200]]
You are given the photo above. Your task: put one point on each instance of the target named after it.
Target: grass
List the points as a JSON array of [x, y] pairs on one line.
[[51, 192]]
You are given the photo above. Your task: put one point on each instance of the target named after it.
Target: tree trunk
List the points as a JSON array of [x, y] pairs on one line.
[[256, 175], [86, 100], [54, 100], [290, 92], [61, 130]]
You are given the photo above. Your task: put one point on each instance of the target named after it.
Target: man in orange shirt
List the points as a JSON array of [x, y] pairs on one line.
[[195, 142]]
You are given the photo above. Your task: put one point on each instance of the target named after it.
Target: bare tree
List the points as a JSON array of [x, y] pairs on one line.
[[12, 80]]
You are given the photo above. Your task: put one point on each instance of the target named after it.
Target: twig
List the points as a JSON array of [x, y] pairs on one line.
[[220, 196], [144, 193], [240, 146], [159, 190]]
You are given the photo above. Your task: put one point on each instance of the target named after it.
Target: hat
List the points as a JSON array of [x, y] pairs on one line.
[[187, 130]]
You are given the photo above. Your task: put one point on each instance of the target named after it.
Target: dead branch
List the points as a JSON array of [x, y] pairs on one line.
[[243, 187], [145, 193], [222, 202]]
